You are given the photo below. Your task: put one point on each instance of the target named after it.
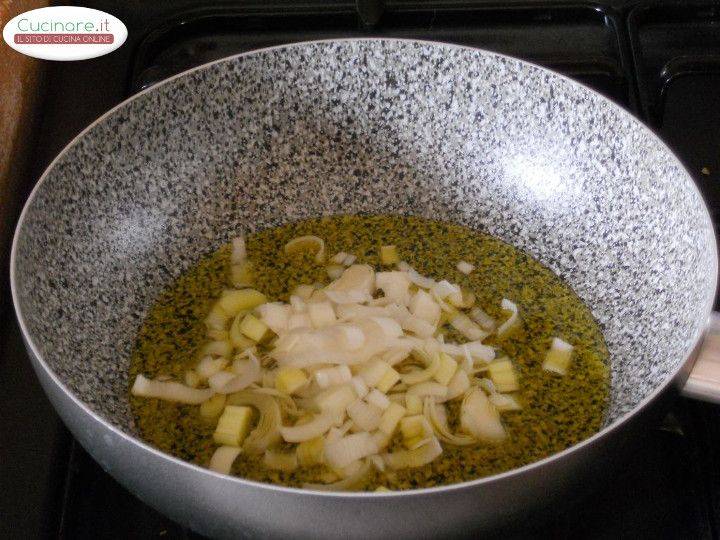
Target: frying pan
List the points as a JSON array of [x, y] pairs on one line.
[[345, 127]]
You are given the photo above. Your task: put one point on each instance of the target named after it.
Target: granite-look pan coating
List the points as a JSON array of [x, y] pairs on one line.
[[377, 126]]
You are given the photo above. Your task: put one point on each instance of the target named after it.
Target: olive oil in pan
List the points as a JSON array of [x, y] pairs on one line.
[[557, 412]]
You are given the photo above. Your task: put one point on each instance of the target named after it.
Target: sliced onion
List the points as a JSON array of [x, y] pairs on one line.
[[418, 326], [483, 319], [557, 359], [389, 327], [505, 327], [314, 428], [299, 320], [423, 455], [377, 462], [350, 483], [332, 376], [250, 375], [443, 289], [377, 398], [298, 304], [504, 402], [275, 315], [397, 354], [209, 366], [223, 459], [334, 271], [480, 352], [415, 377], [435, 414], [415, 277], [344, 451], [424, 307], [428, 389], [355, 285], [358, 384], [479, 418], [307, 243], [365, 415], [170, 391], [336, 434], [339, 257], [267, 431], [280, 461], [321, 314], [458, 385], [467, 327], [220, 379], [239, 252], [395, 286]]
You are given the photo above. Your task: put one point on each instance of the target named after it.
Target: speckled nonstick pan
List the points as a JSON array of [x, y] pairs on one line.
[[381, 126]]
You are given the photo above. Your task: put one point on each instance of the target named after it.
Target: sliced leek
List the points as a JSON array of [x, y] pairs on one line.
[[352, 377], [308, 243], [558, 357]]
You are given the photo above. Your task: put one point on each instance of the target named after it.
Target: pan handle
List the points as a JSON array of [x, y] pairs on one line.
[[704, 380]]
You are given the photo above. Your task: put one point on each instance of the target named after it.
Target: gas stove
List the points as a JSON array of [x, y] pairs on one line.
[[661, 61]]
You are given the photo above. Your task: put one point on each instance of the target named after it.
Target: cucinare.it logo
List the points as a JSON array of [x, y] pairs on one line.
[[65, 33]]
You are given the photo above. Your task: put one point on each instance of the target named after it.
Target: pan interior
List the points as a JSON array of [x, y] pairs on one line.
[[374, 126]]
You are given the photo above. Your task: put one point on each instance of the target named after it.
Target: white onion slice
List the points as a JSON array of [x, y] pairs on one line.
[[395, 286], [365, 415], [223, 459], [418, 326], [458, 385], [377, 398], [314, 428], [170, 391], [424, 307], [275, 315], [483, 319], [465, 267], [239, 252], [468, 328], [507, 305], [220, 379], [332, 376], [351, 482], [414, 458], [339, 257], [344, 451], [443, 289], [239, 382], [428, 389], [479, 417]]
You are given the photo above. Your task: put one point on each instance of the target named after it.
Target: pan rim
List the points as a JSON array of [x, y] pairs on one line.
[[191, 468]]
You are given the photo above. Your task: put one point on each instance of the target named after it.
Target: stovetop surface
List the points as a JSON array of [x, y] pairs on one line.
[[660, 61]]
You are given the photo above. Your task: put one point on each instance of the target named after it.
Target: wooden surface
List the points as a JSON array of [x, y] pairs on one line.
[[20, 85]]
